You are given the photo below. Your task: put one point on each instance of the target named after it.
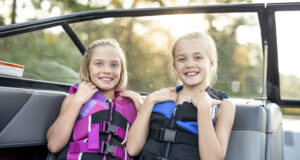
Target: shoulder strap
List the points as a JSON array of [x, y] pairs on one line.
[[73, 89], [216, 94]]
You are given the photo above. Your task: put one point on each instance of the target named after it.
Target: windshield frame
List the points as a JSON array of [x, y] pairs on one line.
[[265, 14]]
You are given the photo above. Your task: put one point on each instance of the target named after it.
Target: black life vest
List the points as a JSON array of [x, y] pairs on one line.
[[173, 132]]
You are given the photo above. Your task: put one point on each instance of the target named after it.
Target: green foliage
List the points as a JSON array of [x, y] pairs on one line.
[[234, 63], [290, 86], [42, 56], [290, 111], [1, 21], [52, 57]]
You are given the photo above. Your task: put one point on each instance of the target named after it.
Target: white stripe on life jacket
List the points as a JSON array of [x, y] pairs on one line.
[[213, 111], [80, 154], [125, 139], [89, 125], [125, 158]]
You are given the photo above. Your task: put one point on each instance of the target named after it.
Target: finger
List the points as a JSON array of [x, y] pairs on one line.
[[215, 102], [173, 97], [125, 94], [129, 92], [94, 90], [85, 83], [93, 86], [90, 84], [81, 84], [172, 89]]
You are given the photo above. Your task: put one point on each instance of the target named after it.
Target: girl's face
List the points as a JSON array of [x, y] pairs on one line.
[[105, 67], [192, 63]]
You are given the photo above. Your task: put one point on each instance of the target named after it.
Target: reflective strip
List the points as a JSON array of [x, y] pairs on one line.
[[89, 125], [213, 112], [125, 150], [125, 139], [80, 154]]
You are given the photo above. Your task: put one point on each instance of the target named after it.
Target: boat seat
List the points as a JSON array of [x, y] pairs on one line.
[[248, 136], [274, 133]]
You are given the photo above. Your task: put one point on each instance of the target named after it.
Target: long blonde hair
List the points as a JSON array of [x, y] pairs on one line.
[[84, 73]]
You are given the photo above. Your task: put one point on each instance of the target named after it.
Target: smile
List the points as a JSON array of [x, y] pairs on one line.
[[191, 74], [106, 79]]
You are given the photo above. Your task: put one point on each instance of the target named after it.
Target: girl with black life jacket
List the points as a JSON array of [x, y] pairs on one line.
[[95, 118], [191, 121]]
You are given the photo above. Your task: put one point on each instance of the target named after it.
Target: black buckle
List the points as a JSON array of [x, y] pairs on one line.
[[109, 128], [107, 148], [166, 135]]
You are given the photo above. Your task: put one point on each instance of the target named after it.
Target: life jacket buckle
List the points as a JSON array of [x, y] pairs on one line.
[[166, 135], [106, 148], [108, 127]]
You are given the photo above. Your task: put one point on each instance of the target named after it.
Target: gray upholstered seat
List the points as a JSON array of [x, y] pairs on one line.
[[248, 136], [274, 133]]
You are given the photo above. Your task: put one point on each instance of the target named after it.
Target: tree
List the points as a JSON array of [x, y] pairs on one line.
[[13, 12], [148, 65]]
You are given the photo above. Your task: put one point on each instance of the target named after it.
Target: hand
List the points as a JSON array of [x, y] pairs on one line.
[[136, 98], [164, 94], [202, 99], [85, 91]]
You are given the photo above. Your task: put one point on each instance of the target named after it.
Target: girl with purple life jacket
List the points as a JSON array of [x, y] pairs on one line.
[[192, 121], [97, 114]]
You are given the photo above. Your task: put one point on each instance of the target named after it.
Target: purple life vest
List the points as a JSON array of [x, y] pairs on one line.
[[100, 131]]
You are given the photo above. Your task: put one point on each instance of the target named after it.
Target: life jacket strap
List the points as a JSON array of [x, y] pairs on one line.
[[104, 148], [173, 136]]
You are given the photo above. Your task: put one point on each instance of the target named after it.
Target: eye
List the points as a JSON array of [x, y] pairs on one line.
[[115, 65], [98, 63], [181, 59], [198, 57]]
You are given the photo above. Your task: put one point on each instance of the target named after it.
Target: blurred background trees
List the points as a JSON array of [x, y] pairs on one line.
[[147, 41]]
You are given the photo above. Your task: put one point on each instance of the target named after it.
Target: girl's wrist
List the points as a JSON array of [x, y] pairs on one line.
[[150, 100], [203, 108], [78, 100]]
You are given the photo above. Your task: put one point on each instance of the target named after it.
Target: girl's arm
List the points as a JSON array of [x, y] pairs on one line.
[[213, 142], [139, 130], [59, 133]]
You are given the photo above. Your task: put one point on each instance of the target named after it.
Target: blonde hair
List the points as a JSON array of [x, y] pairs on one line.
[[209, 47], [84, 73]]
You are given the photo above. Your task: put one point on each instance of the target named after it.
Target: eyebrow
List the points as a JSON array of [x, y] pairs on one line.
[[98, 59], [197, 53], [178, 55]]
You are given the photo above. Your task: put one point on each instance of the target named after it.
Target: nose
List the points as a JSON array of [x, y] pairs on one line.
[[106, 69], [189, 63]]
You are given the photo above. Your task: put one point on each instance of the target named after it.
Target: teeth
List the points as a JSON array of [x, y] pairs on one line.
[[106, 79], [191, 74]]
